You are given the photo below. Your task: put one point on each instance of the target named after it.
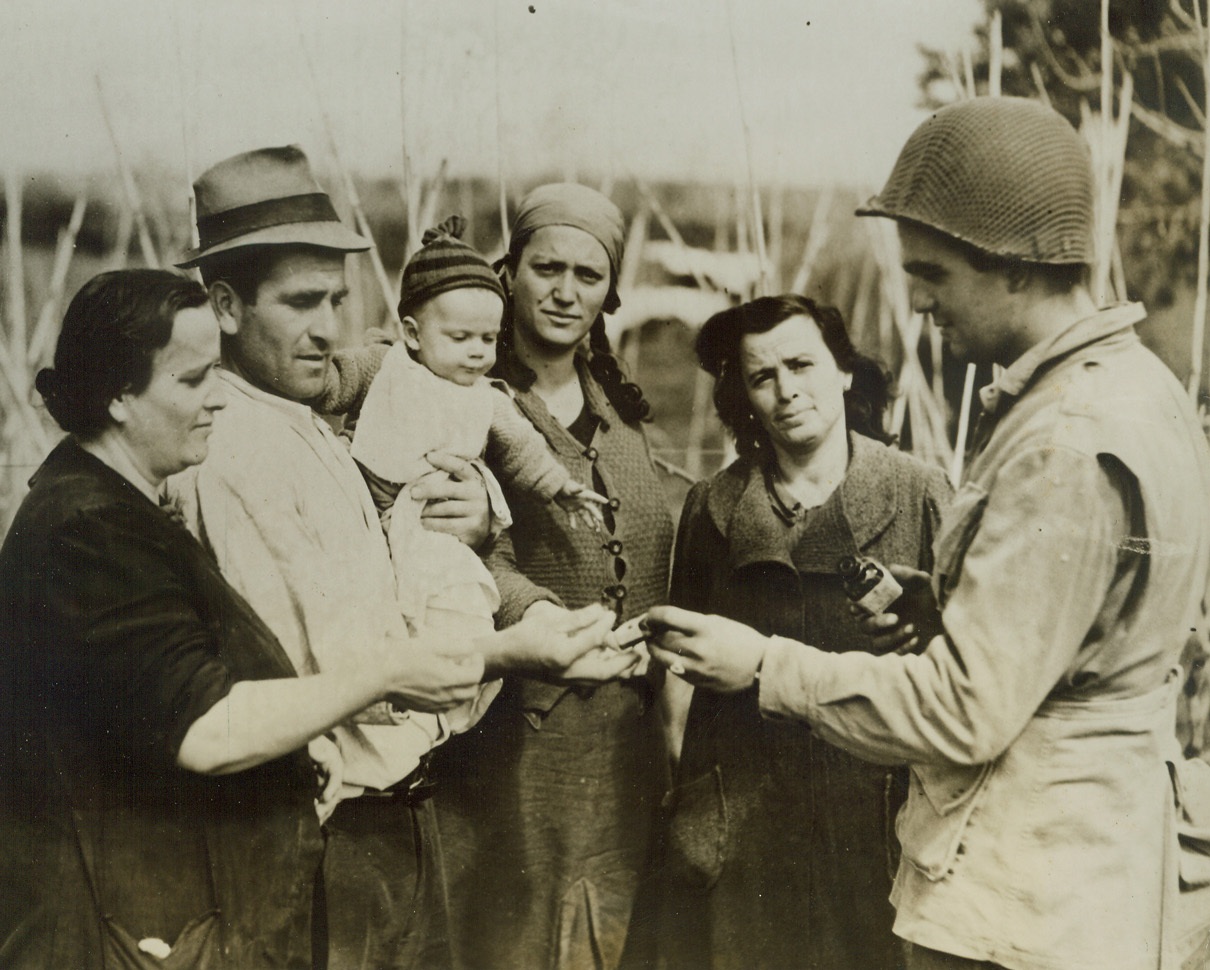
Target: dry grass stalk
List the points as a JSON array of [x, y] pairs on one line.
[[389, 296], [42, 338], [722, 221], [996, 59], [119, 255], [501, 182], [762, 253], [16, 375], [408, 192], [700, 409], [185, 57], [13, 196], [25, 438], [955, 78], [777, 235], [758, 221], [936, 360], [1108, 142], [817, 235], [863, 292], [651, 202], [699, 419], [505, 235], [133, 200], [743, 237], [964, 420], [927, 415], [1197, 350], [628, 272], [432, 197], [1036, 73], [996, 40]]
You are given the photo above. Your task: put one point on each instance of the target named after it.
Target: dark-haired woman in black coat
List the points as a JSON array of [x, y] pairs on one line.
[[781, 849], [157, 797]]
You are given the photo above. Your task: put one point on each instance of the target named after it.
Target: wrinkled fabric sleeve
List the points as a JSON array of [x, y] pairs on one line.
[[266, 549], [517, 450], [261, 534], [1032, 582], [348, 378], [517, 592], [383, 493], [111, 588], [938, 494], [686, 589]]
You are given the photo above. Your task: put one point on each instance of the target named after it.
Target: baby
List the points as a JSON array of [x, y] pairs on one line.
[[431, 394]]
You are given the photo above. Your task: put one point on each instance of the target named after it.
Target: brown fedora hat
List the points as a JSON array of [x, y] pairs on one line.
[[267, 197]]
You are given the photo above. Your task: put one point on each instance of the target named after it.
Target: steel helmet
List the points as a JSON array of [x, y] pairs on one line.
[[1009, 176]]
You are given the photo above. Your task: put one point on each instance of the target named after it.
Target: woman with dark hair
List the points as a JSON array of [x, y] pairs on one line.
[[546, 809], [157, 801], [780, 849]]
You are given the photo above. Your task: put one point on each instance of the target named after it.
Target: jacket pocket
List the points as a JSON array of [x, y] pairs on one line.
[[697, 831], [196, 947], [958, 529], [939, 806]]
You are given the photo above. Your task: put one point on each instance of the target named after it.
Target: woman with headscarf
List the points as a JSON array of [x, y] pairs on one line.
[[546, 808]]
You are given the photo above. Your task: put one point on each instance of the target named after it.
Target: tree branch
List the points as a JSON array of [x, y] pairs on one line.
[[1085, 81], [1165, 127]]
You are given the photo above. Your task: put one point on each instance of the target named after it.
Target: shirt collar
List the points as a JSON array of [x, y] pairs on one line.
[[1014, 378], [297, 412]]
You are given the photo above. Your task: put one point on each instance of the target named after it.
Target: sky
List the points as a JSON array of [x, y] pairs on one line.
[[800, 92]]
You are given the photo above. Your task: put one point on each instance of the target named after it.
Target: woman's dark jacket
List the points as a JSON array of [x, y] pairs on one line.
[[780, 849], [116, 633]]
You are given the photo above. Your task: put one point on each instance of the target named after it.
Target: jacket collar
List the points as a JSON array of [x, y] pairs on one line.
[[69, 457], [298, 413], [1108, 322], [851, 518]]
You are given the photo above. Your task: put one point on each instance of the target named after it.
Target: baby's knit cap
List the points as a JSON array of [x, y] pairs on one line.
[[444, 262]]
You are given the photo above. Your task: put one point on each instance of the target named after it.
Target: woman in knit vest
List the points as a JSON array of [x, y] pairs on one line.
[[546, 808]]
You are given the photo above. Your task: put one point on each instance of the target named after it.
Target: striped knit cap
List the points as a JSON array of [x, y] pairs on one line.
[[444, 262], [1009, 176]]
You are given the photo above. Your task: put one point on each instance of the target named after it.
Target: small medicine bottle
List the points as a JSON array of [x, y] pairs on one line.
[[868, 583]]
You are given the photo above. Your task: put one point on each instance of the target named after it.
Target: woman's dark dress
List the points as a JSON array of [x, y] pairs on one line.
[[780, 850], [547, 808], [116, 633]]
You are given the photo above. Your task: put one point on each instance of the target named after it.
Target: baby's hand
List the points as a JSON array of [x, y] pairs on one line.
[[581, 502]]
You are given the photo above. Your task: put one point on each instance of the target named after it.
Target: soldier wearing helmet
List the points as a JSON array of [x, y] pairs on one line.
[[1040, 829], [994, 203]]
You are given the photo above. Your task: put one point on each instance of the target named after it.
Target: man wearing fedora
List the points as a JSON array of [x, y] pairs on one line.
[[285, 511]]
